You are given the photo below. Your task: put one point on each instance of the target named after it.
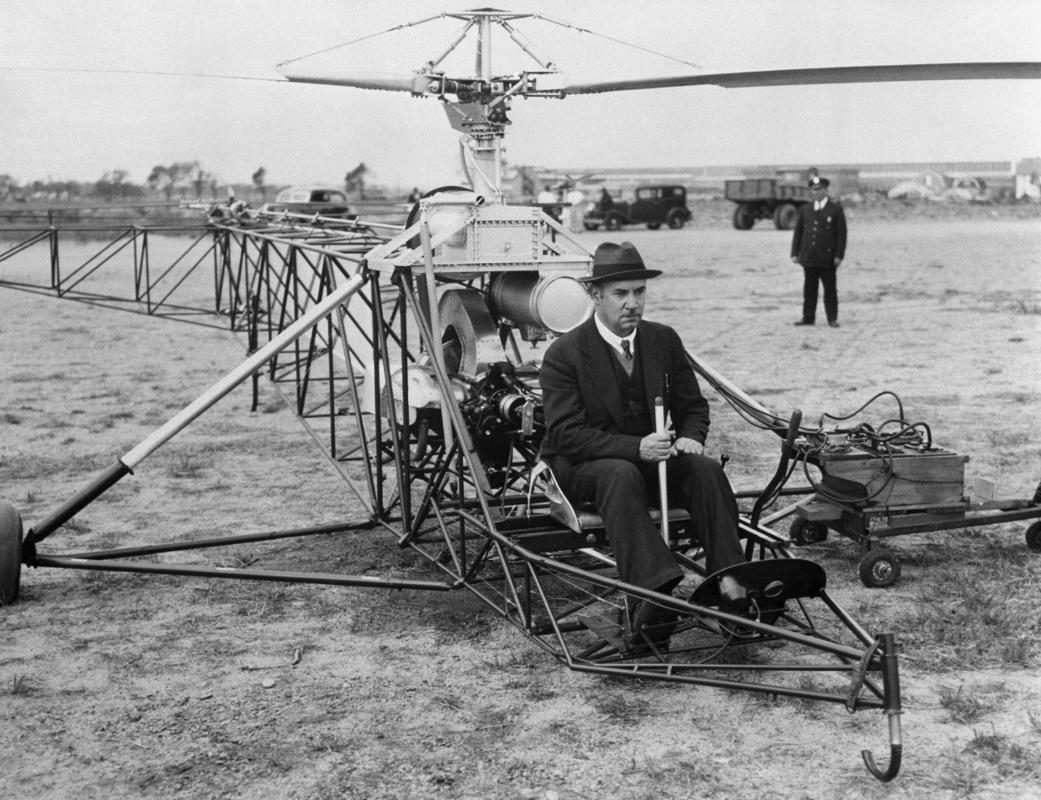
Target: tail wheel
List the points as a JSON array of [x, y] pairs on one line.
[[10, 553]]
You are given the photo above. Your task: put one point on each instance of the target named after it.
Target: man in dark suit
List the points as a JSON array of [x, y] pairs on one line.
[[599, 382], [819, 245]]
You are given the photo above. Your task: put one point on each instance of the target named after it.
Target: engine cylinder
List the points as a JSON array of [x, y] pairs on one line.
[[556, 303]]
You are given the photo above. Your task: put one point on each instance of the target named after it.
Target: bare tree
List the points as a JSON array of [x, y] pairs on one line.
[[354, 181]]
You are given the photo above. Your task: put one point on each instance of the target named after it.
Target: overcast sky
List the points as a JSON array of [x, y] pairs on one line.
[[77, 125]]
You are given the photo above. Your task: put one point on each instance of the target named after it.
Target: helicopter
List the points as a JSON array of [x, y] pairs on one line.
[[411, 353]]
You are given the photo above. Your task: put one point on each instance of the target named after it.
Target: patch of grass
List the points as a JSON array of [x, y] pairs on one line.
[[965, 706], [20, 684], [974, 608], [185, 465], [619, 706], [1010, 758]]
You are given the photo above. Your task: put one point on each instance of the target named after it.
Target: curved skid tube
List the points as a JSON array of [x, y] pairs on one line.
[[891, 683]]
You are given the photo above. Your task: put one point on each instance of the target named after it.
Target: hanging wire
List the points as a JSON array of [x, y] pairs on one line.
[[402, 26], [503, 23]]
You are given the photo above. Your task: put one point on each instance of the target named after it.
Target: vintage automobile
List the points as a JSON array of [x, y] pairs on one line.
[[652, 206], [325, 201]]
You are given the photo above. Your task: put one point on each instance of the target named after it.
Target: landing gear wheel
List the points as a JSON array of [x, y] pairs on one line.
[[10, 553], [803, 532], [1034, 537], [879, 568]]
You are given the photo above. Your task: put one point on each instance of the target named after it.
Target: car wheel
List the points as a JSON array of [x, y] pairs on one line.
[[676, 219], [653, 225], [613, 222], [743, 218], [590, 226]]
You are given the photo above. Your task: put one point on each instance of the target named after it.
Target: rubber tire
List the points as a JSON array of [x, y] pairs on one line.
[[785, 216], [803, 532], [612, 222], [590, 226], [653, 226], [879, 569], [10, 553], [743, 219], [676, 220], [1033, 537]]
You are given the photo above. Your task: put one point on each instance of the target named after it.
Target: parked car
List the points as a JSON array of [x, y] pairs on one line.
[[323, 200], [652, 206]]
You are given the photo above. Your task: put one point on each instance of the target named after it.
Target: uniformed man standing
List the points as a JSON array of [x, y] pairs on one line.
[[819, 245]]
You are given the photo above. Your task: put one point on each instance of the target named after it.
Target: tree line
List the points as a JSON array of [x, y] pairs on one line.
[[181, 180]]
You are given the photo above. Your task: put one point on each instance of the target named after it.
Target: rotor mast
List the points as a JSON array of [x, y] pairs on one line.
[[482, 146]]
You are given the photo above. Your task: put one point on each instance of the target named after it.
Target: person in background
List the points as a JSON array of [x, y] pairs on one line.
[[549, 201], [576, 210], [819, 245], [599, 383]]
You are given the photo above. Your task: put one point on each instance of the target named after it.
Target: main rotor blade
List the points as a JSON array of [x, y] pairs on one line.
[[389, 82], [994, 70]]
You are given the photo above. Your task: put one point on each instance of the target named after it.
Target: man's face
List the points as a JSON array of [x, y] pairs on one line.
[[619, 304], [817, 192]]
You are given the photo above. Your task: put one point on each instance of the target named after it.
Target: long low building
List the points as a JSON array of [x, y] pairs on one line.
[[999, 175]]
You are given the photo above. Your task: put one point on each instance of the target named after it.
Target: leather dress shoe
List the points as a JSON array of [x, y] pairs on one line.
[[651, 626], [805, 322], [834, 323]]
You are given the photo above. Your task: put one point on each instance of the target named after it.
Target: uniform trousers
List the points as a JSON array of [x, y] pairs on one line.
[[809, 293], [623, 491]]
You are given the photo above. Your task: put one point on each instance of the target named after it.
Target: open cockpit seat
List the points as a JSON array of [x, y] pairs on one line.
[[582, 520]]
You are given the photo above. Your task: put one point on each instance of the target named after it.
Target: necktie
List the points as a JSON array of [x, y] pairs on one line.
[[627, 357]]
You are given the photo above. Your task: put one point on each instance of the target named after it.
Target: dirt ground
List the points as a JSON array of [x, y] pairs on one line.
[[123, 686]]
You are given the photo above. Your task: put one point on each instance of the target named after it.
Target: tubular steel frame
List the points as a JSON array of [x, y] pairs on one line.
[[322, 324]]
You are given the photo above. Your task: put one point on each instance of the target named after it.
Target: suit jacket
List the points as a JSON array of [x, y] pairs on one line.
[[819, 236], [582, 398]]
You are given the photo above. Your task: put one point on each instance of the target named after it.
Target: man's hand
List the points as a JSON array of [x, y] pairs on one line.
[[656, 446], [837, 262], [795, 259], [685, 445]]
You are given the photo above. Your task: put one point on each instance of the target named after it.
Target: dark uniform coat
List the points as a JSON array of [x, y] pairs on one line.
[[819, 236]]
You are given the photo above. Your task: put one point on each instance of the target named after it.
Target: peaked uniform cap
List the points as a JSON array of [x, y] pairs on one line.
[[618, 262]]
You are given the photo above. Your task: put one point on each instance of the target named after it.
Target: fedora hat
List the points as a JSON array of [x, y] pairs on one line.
[[618, 262]]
